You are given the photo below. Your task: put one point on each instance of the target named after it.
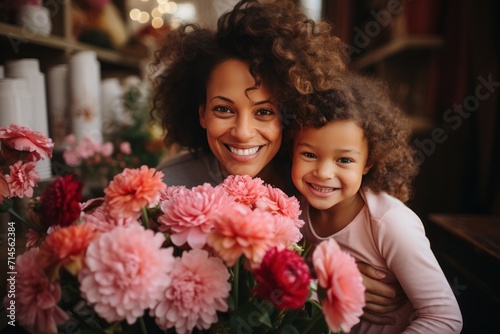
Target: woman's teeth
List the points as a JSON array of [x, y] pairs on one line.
[[321, 189], [247, 151]]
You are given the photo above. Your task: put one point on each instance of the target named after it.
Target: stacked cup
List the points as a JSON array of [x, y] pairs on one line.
[[34, 116], [86, 115]]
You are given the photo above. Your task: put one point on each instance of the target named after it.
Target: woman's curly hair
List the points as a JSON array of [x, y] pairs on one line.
[[289, 53], [387, 130]]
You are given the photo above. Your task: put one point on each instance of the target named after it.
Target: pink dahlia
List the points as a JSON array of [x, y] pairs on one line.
[[125, 272], [283, 278], [286, 232], [279, 202], [22, 179], [188, 215], [246, 190], [171, 191], [338, 275], [241, 231], [132, 190], [102, 221], [36, 297], [199, 289], [35, 145]]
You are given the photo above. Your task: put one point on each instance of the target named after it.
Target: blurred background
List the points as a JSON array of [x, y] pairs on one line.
[[440, 59]]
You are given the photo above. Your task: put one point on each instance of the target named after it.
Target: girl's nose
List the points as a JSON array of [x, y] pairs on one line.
[[325, 170]]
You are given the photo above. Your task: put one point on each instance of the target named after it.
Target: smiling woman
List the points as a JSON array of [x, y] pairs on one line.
[[243, 128]]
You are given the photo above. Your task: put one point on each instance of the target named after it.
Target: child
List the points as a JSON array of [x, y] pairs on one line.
[[353, 164]]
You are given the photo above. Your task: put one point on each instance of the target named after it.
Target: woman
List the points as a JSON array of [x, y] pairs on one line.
[[223, 97]]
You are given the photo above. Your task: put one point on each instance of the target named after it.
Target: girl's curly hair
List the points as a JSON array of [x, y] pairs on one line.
[[387, 130], [289, 53]]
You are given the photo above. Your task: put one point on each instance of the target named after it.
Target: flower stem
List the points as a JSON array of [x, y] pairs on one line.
[[236, 279], [144, 330], [24, 221], [313, 322], [145, 219]]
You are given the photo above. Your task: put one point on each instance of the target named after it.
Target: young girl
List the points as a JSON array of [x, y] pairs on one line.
[[353, 164]]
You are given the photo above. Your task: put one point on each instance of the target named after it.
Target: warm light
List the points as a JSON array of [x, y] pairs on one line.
[[160, 1], [175, 23], [162, 8], [156, 12], [157, 22], [134, 14], [171, 7], [144, 0], [144, 17]]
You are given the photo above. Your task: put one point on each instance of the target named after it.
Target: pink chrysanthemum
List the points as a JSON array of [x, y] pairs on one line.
[[171, 191], [126, 271], [246, 190], [199, 289], [286, 232], [339, 276], [35, 145], [188, 214], [133, 189], [239, 230], [102, 221], [36, 297], [279, 202], [22, 179]]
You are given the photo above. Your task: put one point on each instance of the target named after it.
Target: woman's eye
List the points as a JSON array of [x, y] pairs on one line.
[[222, 109], [265, 112]]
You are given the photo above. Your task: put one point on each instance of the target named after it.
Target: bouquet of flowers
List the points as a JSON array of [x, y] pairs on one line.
[[148, 257]]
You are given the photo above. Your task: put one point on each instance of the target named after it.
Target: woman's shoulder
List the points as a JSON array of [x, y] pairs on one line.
[[190, 170]]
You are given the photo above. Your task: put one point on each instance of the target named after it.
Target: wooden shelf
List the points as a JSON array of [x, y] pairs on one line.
[[18, 38], [396, 46]]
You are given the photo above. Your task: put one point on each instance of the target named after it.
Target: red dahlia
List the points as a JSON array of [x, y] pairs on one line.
[[283, 278], [61, 201]]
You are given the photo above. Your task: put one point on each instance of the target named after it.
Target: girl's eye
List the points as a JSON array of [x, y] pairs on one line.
[[345, 160], [309, 155]]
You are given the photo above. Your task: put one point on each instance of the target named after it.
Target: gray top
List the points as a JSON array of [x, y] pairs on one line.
[[190, 170]]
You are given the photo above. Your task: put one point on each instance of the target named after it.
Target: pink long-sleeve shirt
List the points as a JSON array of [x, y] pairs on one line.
[[390, 237]]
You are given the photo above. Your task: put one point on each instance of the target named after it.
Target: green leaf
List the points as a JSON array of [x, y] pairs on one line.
[[6, 205], [252, 317]]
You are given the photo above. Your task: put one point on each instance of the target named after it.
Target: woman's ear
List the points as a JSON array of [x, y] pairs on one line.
[[201, 114]]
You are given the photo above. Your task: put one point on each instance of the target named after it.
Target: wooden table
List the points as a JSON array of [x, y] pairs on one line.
[[468, 249], [482, 232]]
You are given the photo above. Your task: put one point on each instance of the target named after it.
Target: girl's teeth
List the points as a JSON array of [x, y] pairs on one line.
[[247, 151], [322, 190]]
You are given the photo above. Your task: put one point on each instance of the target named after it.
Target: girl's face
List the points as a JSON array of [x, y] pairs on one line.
[[243, 132], [329, 163]]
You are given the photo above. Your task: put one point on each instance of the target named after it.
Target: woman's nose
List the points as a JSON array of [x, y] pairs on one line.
[[243, 128]]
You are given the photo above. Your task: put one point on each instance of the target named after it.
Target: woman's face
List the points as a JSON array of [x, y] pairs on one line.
[[243, 130]]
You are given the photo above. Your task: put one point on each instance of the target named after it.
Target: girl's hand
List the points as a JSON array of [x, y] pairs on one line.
[[381, 298]]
